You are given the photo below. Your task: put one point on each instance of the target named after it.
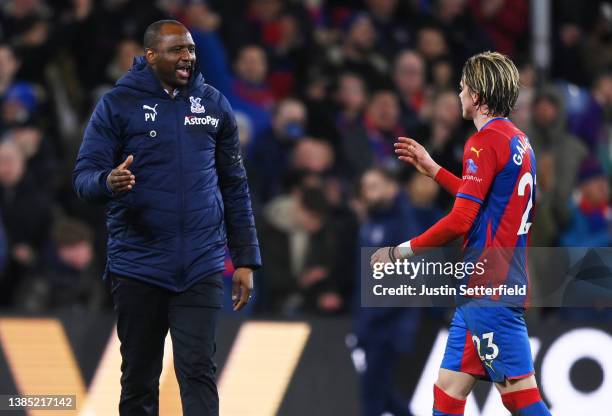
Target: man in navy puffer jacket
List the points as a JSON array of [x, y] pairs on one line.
[[177, 195]]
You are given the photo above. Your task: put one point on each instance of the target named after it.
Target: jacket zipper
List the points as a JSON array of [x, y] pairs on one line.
[[181, 196]]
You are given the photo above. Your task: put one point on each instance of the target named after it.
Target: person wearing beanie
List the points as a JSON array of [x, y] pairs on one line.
[[591, 223]]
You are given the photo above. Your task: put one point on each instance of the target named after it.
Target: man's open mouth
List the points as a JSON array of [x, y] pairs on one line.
[[183, 71]]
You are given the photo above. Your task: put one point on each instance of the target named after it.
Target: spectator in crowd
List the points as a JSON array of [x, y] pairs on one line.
[[251, 69], [28, 30], [574, 23], [521, 116], [392, 31], [271, 152], [245, 87], [351, 98], [431, 43], [316, 94], [598, 43], [125, 52], [313, 165], [388, 210], [409, 79], [357, 52], [559, 156], [18, 99], [442, 76], [372, 142], [313, 156], [422, 192], [446, 130], [568, 47], [384, 333], [504, 21], [25, 212], [69, 275], [299, 256], [261, 22], [591, 214], [249, 79], [593, 122], [465, 38], [289, 52], [41, 162]]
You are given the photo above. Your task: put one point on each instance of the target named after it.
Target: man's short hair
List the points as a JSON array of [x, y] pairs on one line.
[[68, 231], [151, 36], [493, 77], [386, 173]]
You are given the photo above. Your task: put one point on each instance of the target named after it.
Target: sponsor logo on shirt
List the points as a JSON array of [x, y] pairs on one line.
[[201, 121], [472, 178]]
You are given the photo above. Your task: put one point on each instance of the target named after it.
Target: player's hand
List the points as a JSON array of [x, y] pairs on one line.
[[382, 255], [411, 152], [121, 179], [242, 286]]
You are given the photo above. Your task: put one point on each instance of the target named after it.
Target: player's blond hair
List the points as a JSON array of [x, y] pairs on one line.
[[493, 77]]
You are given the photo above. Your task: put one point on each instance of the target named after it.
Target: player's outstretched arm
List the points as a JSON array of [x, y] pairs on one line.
[[456, 224], [412, 152]]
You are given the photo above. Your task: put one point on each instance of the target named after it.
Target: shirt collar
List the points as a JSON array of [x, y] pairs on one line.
[[173, 94]]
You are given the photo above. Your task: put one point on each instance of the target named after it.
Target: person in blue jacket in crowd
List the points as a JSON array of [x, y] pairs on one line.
[[161, 150], [384, 332], [219, 73]]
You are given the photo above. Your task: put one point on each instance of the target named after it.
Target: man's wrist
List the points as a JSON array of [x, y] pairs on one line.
[[107, 187], [435, 170], [404, 250]]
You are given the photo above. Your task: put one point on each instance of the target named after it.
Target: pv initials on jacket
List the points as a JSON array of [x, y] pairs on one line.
[[150, 115]]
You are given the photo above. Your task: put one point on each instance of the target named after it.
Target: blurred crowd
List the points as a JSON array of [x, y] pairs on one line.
[[321, 89]]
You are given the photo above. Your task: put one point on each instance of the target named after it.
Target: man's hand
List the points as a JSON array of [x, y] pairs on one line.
[[242, 285], [121, 179], [382, 255], [411, 152]]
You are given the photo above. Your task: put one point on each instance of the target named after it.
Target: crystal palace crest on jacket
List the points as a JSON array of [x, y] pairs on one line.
[[196, 106]]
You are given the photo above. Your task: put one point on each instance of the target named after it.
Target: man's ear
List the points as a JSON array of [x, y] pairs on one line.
[[474, 97], [150, 56]]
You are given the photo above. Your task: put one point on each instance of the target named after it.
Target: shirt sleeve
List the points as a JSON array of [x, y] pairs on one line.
[[456, 224], [448, 181], [480, 165]]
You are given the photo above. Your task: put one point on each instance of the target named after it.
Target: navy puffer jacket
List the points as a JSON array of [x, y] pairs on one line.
[[191, 196]]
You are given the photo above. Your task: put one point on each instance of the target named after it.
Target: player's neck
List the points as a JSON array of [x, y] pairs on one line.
[[481, 119]]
